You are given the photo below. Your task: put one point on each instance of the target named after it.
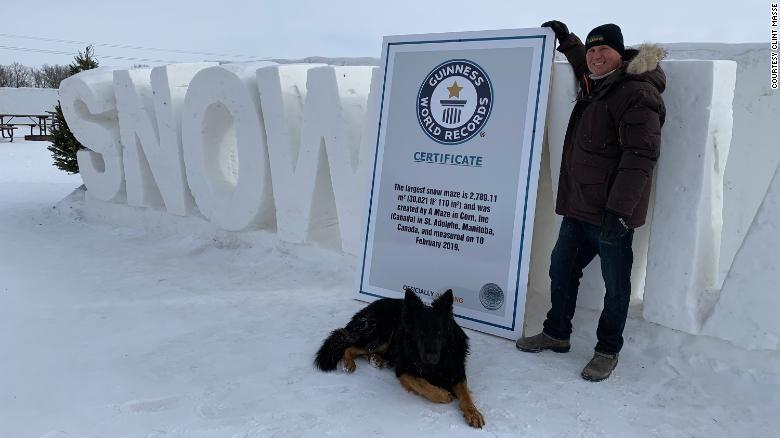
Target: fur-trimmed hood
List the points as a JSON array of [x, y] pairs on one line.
[[642, 64]]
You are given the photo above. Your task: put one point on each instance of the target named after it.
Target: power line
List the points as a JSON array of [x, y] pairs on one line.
[[59, 52], [125, 46]]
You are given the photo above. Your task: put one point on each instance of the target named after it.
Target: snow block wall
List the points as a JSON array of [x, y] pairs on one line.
[[747, 312], [32, 101], [754, 153], [286, 148], [688, 209]]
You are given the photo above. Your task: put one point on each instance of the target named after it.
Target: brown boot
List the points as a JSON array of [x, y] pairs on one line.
[[540, 342], [600, 367]]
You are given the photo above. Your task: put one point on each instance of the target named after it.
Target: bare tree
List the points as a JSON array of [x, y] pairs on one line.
[[52, 75], [5, 76], [21, 75], [37, 78]]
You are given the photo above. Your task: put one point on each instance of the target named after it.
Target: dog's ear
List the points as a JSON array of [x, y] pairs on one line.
[[411, 300], [444, 302]]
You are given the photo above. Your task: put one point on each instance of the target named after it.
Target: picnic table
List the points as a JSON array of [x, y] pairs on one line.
[[7, 131], [43, 122]]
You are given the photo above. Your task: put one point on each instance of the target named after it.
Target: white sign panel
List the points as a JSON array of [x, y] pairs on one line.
[[453, 187]]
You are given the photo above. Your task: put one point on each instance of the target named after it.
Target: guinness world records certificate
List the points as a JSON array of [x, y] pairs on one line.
[[455, 169]]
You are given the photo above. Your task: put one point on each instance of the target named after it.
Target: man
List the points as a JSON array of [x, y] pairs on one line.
[[611, 146]]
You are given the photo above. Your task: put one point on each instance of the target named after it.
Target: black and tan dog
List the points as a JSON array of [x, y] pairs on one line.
[[424, 344]]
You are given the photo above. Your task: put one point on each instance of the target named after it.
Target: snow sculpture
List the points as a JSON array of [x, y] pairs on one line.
[[313, 117], [685, 230], [149, 102], [225, 153], [746, 313], [298, 169], [194, 135], [754, 155], [89, 106], [134, 104]]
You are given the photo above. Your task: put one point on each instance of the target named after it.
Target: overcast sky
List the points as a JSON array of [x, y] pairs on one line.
[[348, 28]]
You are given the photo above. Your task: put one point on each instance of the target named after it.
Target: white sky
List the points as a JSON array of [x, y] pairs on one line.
[[347, 28]]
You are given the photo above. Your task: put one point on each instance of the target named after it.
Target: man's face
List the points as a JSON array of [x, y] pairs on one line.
[[602, 59]]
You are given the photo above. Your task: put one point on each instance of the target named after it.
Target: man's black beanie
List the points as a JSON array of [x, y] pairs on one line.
[[608, 35]]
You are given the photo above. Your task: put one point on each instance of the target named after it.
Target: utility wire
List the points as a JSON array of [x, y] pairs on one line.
[[59, 52], [125, 46]]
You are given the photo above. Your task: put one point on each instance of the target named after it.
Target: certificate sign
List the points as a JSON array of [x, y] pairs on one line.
[[453, 183]]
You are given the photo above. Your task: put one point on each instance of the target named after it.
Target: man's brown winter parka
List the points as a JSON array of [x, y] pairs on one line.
[[613, 138]]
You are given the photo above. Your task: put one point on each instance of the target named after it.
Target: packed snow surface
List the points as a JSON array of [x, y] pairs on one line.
[[117, 321]]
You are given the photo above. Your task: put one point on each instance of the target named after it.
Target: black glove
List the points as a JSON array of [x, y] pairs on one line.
[[613, 227], [560, 29]]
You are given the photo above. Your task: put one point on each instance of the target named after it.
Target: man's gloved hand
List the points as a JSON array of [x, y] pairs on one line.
[[613, 227], [560, 29]]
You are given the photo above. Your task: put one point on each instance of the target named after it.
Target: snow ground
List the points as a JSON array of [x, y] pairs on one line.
[[166, 328]]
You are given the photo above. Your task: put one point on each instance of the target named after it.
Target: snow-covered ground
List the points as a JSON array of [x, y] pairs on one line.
[[165, 327]]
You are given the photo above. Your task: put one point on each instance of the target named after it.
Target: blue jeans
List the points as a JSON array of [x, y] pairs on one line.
[[578, 244]]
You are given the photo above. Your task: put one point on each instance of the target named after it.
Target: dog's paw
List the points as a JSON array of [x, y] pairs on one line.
[[473, 417], [440, 396], [376, 360], [348, 366]]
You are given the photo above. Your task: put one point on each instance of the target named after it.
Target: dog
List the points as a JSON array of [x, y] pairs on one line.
[[424, 344]]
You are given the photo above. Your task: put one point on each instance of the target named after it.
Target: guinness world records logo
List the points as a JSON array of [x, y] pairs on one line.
[[454, 101]]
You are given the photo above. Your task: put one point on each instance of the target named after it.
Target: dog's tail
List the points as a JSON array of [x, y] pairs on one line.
[[332, 350]]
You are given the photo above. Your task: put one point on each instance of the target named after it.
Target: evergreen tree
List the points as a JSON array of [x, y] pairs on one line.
[[63, 144], [84, 61]]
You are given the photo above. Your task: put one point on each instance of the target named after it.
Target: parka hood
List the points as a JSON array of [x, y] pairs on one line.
[[642, 64]]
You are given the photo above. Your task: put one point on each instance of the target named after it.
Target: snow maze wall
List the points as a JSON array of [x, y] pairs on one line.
[[287, 148], [27, 100]]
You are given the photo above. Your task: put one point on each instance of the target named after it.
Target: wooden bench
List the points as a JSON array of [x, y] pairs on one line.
[[7, 131], [31, 125]]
